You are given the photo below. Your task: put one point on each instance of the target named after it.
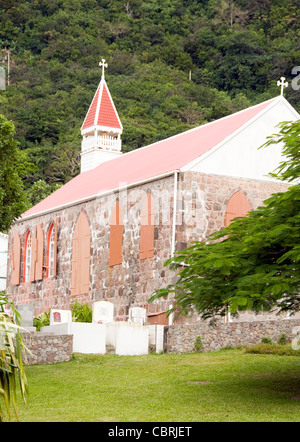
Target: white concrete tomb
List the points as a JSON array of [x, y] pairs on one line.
[[131, 339], [103, 312], [60, 316], [137, 315]]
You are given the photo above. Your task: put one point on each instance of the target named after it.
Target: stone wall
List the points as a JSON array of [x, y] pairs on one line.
[[128, 284], [205, 198], [201, 211], [181, 338], [48, 349], [201, 204]]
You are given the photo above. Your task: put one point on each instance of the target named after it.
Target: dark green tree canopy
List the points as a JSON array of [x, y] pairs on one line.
[[12, 196], [254, 263], [172, 65]]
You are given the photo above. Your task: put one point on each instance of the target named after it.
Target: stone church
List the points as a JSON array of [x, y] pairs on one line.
[[106, 234]]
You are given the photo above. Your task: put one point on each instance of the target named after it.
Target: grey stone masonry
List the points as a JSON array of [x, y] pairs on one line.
[[47, 349], [200, 210], [182, 338]]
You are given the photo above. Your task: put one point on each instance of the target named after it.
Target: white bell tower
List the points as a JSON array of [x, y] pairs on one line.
[[101, 130]]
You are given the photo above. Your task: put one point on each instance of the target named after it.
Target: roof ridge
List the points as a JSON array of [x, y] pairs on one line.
[[200, 126]]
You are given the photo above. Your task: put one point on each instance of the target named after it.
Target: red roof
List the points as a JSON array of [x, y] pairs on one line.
[[102, 111], [148, 162]]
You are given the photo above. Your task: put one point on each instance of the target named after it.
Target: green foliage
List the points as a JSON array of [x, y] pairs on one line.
[[271, 348], [235, 51], [12, 196], [289, 135], [266, 340], [12, 351], [283, 339], [81, 312], [198, 344], [41, 321], [254, 263], [40, 190]]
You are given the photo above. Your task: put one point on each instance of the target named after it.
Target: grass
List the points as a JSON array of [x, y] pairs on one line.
[[223, 386], [273, 348]]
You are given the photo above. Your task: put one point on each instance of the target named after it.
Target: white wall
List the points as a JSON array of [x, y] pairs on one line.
[[3, 260], [87, 338], [240, 156], [131, 339], [156, 337], [92, 158]]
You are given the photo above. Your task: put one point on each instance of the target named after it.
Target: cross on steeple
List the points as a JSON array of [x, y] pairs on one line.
[[103, 65], [282, 84]]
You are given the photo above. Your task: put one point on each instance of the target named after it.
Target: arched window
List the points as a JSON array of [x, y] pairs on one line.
[[51, 251], [27, 257], [37, 254], [81, 251], [33, 255], [147, 228], [116, 236], [238, 205]]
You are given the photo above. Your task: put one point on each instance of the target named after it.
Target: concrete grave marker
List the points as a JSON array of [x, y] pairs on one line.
[[60, 316], [131, 339], [56, 317], [26, 312], [103, 312], [137, 315]]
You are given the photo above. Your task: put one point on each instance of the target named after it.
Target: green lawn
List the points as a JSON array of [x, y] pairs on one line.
[[229, 385]]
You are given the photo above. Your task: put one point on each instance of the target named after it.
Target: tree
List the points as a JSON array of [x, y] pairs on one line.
[[40, 190], [254, 263], [13, 200]]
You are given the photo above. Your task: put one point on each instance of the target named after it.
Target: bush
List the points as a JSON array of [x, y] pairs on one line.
[[81, 312], [283, 339], [266, 340], [41, 321], [198, 344], [12, 350], [276, 349]]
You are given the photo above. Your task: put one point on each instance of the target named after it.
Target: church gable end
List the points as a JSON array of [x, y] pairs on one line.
[[239, 155]]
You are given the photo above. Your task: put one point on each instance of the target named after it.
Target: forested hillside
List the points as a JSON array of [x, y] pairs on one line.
[[172, 65]]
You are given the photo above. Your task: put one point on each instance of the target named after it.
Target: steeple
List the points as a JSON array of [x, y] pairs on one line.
[[101, 129]]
